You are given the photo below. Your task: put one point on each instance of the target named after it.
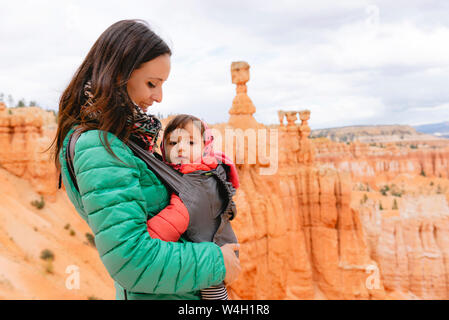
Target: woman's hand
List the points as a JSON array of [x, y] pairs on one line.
[[231, 262]]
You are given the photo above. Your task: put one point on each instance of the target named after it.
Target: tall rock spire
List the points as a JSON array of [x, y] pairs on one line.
[[242, 107]]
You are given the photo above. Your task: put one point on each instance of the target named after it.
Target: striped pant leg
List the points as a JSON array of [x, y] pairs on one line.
[[215, 293]]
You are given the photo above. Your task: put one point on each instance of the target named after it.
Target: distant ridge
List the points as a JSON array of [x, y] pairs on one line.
[[440, 129], [376, 133]]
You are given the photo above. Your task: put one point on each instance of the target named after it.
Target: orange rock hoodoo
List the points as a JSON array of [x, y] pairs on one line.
[[301, 235]]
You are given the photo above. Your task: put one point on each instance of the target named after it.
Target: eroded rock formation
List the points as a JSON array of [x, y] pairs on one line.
[[242, 110], [299, 237], [366, 162], [302, 234], [412, 247], [23, 140]]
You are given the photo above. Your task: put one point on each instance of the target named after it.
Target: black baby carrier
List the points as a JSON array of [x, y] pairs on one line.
[[207, 195]]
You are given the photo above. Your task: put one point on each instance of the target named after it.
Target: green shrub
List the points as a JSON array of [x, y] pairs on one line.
[[21, 104], [67, 226], [72, 232], [90, 239], [47, 255], [384, 190], [396, 193], [395, 205], [38, 204], [365, 198], [49, 267]]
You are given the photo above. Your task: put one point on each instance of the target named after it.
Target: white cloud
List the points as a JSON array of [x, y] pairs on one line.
[[349, 62]]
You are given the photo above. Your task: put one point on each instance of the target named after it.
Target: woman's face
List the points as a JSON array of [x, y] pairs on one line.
[[145, 84], [184, 145]]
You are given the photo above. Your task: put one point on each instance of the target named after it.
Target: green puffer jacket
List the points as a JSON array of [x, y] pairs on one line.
[[116, 201]]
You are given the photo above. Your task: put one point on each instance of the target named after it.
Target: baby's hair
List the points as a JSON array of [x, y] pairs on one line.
[[181, 121]]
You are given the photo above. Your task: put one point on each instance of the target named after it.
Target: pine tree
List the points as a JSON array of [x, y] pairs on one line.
[[395, 205], [21, 103], [365, 198]]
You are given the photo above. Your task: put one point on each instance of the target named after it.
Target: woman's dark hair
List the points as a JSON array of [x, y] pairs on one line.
[[120, 50], [180, 121]]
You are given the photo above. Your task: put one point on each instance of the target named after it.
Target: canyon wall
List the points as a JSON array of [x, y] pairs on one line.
[[299, 237], [25, 134], [305, 229], [409, 242], [366, 162], [411, 247]]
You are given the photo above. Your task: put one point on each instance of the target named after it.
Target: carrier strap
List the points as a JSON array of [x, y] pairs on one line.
[[176, 181], [172, 178]]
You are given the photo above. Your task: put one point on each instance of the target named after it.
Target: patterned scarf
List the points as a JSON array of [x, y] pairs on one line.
[[145, 128]]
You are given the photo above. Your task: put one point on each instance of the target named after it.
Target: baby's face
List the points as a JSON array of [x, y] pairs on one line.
[[184, 145]]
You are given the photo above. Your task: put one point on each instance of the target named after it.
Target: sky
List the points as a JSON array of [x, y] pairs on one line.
[[348, 62]]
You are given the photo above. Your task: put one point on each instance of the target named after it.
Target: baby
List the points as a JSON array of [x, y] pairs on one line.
[[187, 146]]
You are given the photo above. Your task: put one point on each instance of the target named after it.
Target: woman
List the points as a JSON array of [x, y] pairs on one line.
[[121, 77]]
